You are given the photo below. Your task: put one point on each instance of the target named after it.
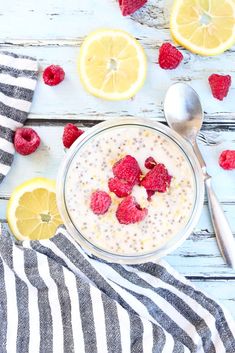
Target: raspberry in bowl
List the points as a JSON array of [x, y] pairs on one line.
[[130, 190]]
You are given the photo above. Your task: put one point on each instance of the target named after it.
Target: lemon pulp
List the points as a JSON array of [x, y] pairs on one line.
[[32, 210], [205, 27], [112, 64]]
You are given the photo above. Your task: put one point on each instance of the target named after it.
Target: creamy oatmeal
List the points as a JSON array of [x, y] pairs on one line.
[[91, 169]]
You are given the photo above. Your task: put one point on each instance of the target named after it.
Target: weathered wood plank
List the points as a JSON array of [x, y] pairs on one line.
[[199, 255], [47, 19], [53, 42], [46, 160], [221, 290], [70, 98]]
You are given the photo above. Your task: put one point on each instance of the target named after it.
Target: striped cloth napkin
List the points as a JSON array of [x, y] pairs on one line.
[[18, 78], [55, 298]]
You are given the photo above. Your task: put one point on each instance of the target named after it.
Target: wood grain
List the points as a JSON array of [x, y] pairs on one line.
[[45, 161], [223, 289], [70, 98]]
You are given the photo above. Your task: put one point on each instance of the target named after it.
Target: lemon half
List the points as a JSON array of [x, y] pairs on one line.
[[205, 27], [112, 64], [32, 210]]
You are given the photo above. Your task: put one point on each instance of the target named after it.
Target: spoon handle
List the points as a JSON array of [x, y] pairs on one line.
[[224, 235]]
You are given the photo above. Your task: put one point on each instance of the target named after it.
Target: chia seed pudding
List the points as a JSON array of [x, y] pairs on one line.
[[91, 168]]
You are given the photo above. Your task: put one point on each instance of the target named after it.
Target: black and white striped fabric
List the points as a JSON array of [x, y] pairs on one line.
[[18, 77], [55, 298]]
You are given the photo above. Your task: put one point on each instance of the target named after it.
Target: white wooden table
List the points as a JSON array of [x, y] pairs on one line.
[[52, 31]]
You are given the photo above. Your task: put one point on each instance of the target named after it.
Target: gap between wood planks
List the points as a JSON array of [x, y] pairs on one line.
[[211, 278], [150, 43], [60, 120]]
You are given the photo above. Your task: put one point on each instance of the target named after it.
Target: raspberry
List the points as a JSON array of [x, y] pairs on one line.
[[71, 133], [127, 169], [26, 141], [157, 179], [129, 211], [169, 57], [53, 75], [130, 6], [227, 159], [150, 163], [120, 187], [150, 193], [100, 202], [219, 85]]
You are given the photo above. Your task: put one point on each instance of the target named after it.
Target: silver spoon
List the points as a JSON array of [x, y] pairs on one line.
[[184, 114]]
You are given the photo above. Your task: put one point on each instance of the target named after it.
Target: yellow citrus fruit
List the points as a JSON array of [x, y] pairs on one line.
[[32, 210], [112, 64], [206, 27]]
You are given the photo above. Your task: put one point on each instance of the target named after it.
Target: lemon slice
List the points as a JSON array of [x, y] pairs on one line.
[[112, 64], [32, 210], [205, 27]]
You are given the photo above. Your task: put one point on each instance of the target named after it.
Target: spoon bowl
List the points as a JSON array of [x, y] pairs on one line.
[[183, 110]]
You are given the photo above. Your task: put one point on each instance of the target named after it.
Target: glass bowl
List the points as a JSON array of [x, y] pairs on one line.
[[172, 243]]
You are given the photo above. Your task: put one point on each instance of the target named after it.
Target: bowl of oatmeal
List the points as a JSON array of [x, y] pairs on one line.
[[130, 190]]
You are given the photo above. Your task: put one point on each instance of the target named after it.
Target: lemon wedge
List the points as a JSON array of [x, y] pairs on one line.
[[205, 27], [112, 64], [32, 212]]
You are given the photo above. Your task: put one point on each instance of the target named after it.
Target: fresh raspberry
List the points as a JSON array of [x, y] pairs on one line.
[[150, 163], [127, 169], [26, 141], [100, 202], [130, 6], [120, 187], [227, 159], [53, 75], [169, 56], [129, 211], [219, 85], [150, 193], [71, 133], [157, 179]]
